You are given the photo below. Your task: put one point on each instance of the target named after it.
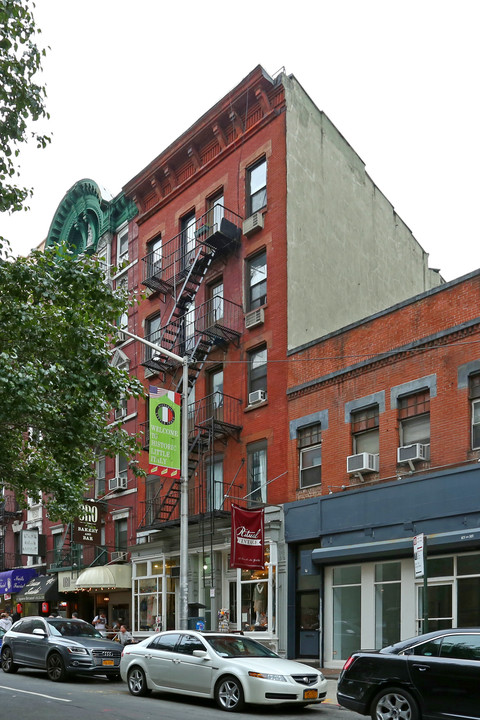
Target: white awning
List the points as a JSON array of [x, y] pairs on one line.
[[105, 577]]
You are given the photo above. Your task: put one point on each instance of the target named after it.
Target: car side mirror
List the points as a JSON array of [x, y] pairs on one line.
[[200, 654], [39, 631]]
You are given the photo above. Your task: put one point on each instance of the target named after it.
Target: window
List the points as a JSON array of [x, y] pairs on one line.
[[347, 606], [257, 473], [257, 186], [187, 226], [215, 303], [257, 281], [310, 448], [215, 485], [121, 534], [100, 476], [365, 434], [121, 465], [216, 212], [152, 334], [414, 418], [257, 379], [122, 245], [387, 603], [474, 396], [154, 256]]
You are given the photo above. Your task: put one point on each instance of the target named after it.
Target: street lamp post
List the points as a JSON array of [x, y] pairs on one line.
[[183, 361]]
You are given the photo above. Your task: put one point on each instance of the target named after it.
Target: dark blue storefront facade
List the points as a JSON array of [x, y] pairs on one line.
[[370, 529]]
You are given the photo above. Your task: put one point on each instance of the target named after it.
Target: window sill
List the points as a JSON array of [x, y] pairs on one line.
[[255, 405]]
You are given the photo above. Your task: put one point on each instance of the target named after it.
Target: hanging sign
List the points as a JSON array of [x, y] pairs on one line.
[[247, 539], [87, 527], [164, 454], [419, 555]]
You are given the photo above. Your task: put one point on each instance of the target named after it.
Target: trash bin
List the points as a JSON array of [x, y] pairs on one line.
[[194, 620]]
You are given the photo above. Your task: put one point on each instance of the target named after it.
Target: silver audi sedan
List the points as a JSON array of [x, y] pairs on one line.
[[231, 668]]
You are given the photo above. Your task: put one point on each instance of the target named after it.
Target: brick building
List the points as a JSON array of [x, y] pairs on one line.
[[242, 234], [384, 442]]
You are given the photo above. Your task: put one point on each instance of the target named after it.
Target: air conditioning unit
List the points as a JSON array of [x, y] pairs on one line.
[[253, 224], [254, 318], [121, 411], [118, 555], [256, 396], [118, 483], [362, 462], [410, 453]]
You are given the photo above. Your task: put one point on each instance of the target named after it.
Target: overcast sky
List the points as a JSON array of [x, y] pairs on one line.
[[399, 79]]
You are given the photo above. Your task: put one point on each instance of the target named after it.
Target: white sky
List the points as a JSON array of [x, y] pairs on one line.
[[398, 78]]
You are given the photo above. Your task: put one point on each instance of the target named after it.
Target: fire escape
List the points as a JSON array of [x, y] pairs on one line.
[[178, 270]]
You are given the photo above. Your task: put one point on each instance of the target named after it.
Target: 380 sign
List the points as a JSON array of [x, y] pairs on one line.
[[86, 528]]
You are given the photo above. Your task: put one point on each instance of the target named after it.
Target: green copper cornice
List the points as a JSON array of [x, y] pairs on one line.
[[85, 214]]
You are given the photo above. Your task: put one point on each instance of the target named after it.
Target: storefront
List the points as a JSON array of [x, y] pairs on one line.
[[219, 597], [108, 588], [355, 551], [39, 596]]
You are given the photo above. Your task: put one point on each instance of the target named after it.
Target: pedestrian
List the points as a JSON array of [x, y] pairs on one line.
[[100, 623], [75, 615], [5, 621], [123, 636]]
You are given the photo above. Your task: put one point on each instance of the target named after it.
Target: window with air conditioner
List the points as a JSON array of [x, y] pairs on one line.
[[414, 420], [256, 186], [257, 373], [256, 269], [474, 396], [121, 468], [309, 445], [257, 473]]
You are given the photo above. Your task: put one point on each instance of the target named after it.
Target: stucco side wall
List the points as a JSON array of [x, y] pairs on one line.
[[344, 238]]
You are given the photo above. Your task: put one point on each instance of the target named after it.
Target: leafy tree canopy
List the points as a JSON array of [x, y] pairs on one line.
[[57, 383], [21, 99]]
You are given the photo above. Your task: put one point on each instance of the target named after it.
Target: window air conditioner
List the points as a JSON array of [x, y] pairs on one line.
[[253, 224], [118, 555], [256, 396], [117, 483], [254, 318], [121, 411], [362, 462], [409, 453]]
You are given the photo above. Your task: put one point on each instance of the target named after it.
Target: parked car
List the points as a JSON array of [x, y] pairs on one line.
[[431, 676], [2, 633], [60, 646], [231, 668]]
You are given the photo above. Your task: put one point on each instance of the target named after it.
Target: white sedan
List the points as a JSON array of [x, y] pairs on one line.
[[231, 668]]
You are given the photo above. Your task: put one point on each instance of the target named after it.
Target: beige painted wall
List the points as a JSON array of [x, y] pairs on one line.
[[349, 254]]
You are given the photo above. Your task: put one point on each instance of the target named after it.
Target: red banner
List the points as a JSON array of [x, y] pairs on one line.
[[247, 544]]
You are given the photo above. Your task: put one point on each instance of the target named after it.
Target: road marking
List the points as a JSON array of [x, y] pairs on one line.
[[28, 692]]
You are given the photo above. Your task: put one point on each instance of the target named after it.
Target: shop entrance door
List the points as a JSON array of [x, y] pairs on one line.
[[308, 624]]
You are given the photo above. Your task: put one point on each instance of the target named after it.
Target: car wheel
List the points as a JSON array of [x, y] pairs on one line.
[[394, 704], [229, 694], [56, 668], [8, 665], [137, 682]]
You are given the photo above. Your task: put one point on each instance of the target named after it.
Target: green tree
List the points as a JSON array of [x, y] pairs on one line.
[[21, 99], [57, 383]]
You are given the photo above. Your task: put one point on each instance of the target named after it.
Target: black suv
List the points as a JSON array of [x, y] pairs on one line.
[[60, 646]]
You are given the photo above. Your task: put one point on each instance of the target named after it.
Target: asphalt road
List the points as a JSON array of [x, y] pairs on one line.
[[30, 694]]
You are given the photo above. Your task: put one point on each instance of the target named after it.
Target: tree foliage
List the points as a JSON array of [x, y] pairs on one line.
[[57, 383], [21, 99]]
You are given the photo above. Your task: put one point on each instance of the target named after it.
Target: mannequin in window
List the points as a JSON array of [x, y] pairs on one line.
[[259, 601]]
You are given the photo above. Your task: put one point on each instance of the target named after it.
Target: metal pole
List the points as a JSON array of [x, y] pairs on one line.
[[184, 502]]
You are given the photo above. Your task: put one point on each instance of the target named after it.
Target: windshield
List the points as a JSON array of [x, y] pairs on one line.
[[239, 647], [72, 628]]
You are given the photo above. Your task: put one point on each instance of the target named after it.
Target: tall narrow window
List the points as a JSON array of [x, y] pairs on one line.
[[187, 240], [474, 395], [257, 281], [257, 381], [122, 245], [257, 186], [154, 256], [152, 334], [216, 394], [215, 485], [216, 309], [365, 432], [216, 212], [257, 473], [414, 418], [310, 450], [121, 534]]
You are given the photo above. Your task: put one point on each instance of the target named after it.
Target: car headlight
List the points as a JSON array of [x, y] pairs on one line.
[[268, 676], [77, 650]]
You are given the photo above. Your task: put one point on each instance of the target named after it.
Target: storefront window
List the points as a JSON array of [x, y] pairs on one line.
[[387, 603], [346, 611], [255, 595]]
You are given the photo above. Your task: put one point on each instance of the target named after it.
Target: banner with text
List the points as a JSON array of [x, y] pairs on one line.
[[164, 455], [247, 541]]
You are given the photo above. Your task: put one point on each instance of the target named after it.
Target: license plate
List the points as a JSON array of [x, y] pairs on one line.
[[310, 694], [108, 662]]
